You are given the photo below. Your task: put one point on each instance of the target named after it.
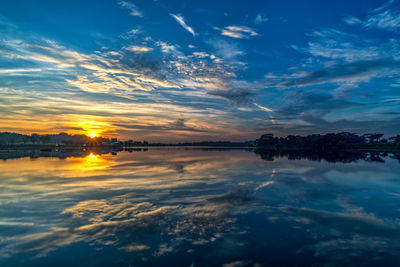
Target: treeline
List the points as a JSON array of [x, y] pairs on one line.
[[63, 139], [7, 138], [209, 144], [338, 141]]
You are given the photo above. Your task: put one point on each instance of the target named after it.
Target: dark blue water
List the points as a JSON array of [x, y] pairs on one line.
[[193, 207]]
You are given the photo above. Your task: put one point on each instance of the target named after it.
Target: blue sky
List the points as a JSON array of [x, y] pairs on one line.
[[204, 70]]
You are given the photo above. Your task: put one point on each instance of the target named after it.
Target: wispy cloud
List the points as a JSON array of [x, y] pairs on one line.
[[170, 49], [139, 49], [351, 59], [239, 32], [260, 19], [203, 55], [382, 7], [263, 108], [351, 20], [383, 17], [226, 50], [337, 45], [141, 84], [130, 34], [181, 20], [388, 20], [344, 72], [145, 95], [134, 11], [236, 96]]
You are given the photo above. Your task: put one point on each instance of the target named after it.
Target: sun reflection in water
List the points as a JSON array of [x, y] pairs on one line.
[[92, 162]]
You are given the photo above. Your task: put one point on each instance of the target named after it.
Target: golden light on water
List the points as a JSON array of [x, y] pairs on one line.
[[91, 162]]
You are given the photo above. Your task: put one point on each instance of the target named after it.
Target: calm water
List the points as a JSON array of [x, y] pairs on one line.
[[193, 207]]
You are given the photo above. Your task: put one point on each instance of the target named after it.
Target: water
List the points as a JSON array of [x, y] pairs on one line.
[[196, 207]]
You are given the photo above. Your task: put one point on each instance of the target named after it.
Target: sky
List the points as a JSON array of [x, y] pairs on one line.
[[172, 71]]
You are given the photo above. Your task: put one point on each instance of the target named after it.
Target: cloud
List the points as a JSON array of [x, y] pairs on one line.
[[180, 125], [313, 122], [388, 20], [134, 247], [263, 108], [344, 60], [203, 55], [334, 250], [139, 49], [237, 196], [226, 50], [351, 20], [237, 264], [337, 45], [236, 96], [238, 32], [181, 20], [362, 222], [169, 49], [183, 81], [318, 103], [127, 75], [179, 122], [260, 18], [99, 222], [112, 72], [131, 34], [383, 18], [117, 222], [130, 74], [344, 71], [18, 71], [134, 11], [382, 7]]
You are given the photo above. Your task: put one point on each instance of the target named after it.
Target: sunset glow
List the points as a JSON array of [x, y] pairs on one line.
[[92, 135]]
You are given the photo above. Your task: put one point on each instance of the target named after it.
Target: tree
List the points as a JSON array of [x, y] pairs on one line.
[[34, 138], [374, 137], [45, 139], [397, 140]]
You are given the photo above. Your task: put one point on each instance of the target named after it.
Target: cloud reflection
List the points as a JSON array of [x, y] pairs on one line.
[[141, 204]]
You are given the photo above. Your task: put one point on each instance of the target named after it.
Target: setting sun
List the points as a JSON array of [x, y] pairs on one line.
[[92, 135]]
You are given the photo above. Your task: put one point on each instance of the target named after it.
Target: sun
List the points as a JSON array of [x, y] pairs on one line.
[[92, 135]]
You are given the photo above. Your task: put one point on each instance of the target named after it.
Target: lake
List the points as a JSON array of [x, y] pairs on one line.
[[198, 207]]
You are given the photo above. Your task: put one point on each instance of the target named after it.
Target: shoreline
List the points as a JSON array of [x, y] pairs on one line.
[[360, 147]]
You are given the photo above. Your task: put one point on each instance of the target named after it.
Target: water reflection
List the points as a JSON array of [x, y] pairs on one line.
[[269, 155], [91, 162], [183, 207], [329, 156]]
